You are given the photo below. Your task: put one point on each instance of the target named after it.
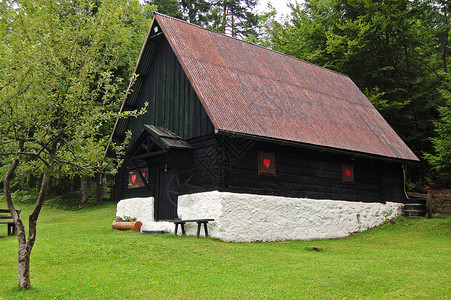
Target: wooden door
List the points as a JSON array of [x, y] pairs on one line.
[[166, 196]]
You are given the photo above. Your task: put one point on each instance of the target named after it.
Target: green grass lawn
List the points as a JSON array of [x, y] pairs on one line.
[[78, 255]]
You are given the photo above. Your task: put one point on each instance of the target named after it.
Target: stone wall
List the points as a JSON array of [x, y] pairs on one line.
[[248, 218]]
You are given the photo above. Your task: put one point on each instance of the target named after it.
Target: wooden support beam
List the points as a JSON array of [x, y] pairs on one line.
[[429, 203], [148, 154]]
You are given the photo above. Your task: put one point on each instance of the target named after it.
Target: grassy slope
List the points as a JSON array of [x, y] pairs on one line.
[[78, 255]]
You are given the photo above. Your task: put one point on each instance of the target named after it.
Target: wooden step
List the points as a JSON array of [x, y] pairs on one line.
[[414, 213], [417, 200], [415, 208]]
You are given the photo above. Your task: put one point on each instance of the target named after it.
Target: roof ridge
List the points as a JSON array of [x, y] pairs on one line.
[[249, 43]]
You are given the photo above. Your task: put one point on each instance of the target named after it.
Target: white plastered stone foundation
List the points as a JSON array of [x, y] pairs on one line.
[[249, 218], [143, 210]]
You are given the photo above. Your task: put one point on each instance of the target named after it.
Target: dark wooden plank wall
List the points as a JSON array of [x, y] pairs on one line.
[[392, 182], [313, 174], [172, 101], [195, 170], [299, 173], [199, 170], [155, 164], [143, 192]]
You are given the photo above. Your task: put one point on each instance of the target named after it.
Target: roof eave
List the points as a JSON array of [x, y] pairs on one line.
[[318, 147], [130, 84]]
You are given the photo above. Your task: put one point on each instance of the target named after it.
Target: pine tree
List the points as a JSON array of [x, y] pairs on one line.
[[234, 17]]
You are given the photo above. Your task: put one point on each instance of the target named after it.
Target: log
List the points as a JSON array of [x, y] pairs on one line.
[[119, 225]]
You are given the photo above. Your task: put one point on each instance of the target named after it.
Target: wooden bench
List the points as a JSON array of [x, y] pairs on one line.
[[199, 222], [4, 215]]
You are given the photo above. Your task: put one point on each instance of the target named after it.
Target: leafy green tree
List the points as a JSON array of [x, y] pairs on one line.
[[234, 17], [267, 25], [441, 158], [168, 7], [59, 88], [196, 11]]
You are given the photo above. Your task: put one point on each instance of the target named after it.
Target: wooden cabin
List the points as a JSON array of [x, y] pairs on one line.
[[270, 146]]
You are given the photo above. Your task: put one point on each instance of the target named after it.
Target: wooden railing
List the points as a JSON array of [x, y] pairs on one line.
[[436, 202]]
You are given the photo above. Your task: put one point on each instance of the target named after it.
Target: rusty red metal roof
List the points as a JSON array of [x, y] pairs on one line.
[[247, 89]]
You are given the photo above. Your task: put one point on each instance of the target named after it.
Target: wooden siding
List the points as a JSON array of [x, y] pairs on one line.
[[172, 101], [200, 169], [312, 174], [196, 170], [225, 164], [143, 192], [392, 182]]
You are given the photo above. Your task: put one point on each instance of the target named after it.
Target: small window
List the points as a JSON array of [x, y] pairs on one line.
[[266, 163], [347, 173], [135, 180]]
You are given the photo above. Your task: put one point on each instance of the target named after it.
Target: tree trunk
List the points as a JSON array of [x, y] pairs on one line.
[[224, 20], [104, 185], [24, 267], [99, 188], [25, 247], [115, 188], [84, 190], [445, 48], [71, 184], [233, 26]]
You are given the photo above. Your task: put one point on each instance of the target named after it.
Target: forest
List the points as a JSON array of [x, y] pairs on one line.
[[65, 67]]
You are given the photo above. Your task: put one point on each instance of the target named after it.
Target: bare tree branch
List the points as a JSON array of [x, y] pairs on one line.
[[83, 167]]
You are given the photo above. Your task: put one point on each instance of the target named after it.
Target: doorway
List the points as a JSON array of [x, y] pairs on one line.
[[166, 196]]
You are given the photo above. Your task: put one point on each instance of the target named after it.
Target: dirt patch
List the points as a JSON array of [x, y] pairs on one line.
[[442, 193]]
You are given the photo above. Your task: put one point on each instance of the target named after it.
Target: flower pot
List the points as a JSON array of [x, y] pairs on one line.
[[136, 225]]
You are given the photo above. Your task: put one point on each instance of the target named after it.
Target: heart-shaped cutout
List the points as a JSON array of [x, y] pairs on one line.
[[348, 172], [133, 178], [267, 162]]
